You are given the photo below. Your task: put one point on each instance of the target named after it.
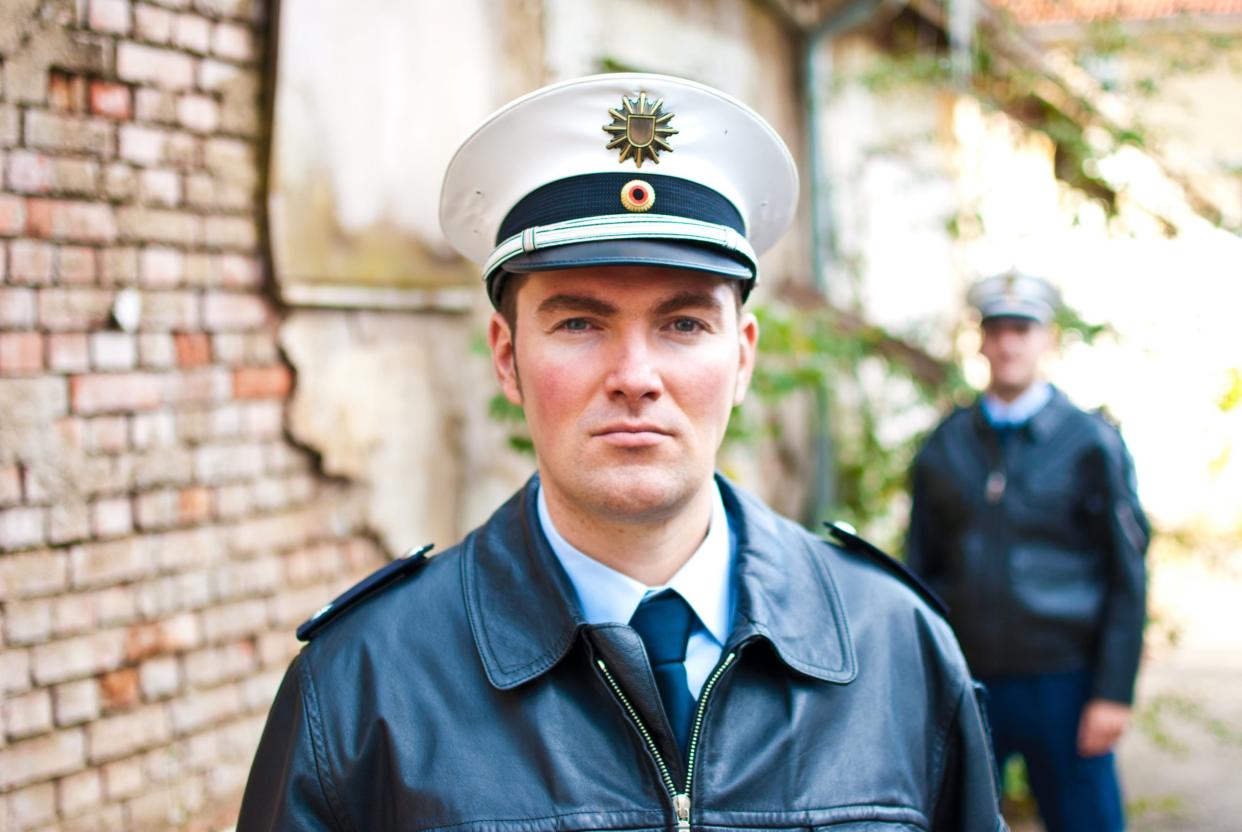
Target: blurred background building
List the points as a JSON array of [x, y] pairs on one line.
[[240, 368]]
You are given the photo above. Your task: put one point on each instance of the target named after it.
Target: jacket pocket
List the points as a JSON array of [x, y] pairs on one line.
[[1057, 585]]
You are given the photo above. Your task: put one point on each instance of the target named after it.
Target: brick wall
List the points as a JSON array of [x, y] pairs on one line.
[[159, 535]]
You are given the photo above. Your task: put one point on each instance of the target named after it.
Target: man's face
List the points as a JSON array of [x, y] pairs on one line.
[[1013, 348], [627, 376]]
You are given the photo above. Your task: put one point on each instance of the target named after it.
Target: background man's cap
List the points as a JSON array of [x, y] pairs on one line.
[[620, 169], [1015, 295]]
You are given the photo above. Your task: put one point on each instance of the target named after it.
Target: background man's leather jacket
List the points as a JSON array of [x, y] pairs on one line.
[[1042, 569], [471, 696]]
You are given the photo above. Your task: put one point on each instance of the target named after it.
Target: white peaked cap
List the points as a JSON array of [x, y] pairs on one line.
[[707, 183], [1015, 295]]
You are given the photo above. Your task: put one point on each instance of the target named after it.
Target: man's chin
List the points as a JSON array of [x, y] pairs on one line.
[[637, 493]]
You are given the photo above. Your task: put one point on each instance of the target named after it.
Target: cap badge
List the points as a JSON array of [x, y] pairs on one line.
[[637, 196], [640, 128]]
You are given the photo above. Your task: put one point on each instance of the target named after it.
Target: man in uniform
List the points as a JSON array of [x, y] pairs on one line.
[[1026, 521], [630, 642]]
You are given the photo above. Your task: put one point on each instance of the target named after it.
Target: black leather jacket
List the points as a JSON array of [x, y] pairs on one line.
[[1036, 544], [471, 696]]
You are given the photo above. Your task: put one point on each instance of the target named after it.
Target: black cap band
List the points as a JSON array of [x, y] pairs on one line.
[[599, 194]]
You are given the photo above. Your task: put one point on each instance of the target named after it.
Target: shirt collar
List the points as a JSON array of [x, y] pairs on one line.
[[607, 596], [1019, 410]]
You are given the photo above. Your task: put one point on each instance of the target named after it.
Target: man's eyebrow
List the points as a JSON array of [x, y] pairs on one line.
[[575, 303], [689, 299]]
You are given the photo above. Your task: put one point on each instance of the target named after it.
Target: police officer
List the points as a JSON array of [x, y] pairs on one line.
[[1026, 521], [631, 641]]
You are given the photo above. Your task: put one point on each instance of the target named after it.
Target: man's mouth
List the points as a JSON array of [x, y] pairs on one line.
[[632, 434]]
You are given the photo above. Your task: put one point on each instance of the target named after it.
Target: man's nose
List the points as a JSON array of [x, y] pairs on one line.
[[634, 374]]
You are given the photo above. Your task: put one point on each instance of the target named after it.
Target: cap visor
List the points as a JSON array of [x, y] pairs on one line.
[[669, 254]]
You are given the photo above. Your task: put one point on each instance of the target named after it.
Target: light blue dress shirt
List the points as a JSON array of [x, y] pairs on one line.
[[1018, 411], [706, 582]]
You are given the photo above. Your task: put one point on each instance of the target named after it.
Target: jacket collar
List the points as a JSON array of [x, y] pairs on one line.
[[525, 617], [1040, 426]]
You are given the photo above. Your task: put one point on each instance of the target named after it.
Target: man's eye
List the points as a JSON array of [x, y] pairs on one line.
[[575, 325], [687, 325]]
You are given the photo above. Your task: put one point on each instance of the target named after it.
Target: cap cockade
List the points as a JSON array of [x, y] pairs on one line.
[[536, 187]]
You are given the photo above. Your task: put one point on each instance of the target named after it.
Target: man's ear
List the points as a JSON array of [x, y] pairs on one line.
[[748, 340], [504, 357]]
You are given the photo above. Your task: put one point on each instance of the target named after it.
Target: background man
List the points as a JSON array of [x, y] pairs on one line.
[[630, 642], [1026, 521]]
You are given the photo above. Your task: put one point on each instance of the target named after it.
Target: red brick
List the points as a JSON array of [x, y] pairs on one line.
[[262, 382], [20, 352], [75, 264], [115, 392], [160, 267], [30, 261], [158, 67], [194, 505], [31, 807], [42, 758], [118, 690], [66, 93], [193, 349], [12, 214], [109, 16], [68, 352], [86, 222], [111, 100]]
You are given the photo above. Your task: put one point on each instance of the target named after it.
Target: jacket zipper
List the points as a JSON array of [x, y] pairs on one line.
[[681, 799]]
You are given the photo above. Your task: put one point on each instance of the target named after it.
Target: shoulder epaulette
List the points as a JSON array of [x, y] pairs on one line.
[[380, 579], [846, 537]]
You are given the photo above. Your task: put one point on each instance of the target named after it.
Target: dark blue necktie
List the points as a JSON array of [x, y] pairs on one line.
[[664, 622]]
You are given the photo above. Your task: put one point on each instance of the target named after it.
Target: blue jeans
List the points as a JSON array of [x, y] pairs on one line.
[[1037, 716]]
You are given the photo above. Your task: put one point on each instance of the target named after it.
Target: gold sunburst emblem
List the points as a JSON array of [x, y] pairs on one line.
[[640, 128]]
